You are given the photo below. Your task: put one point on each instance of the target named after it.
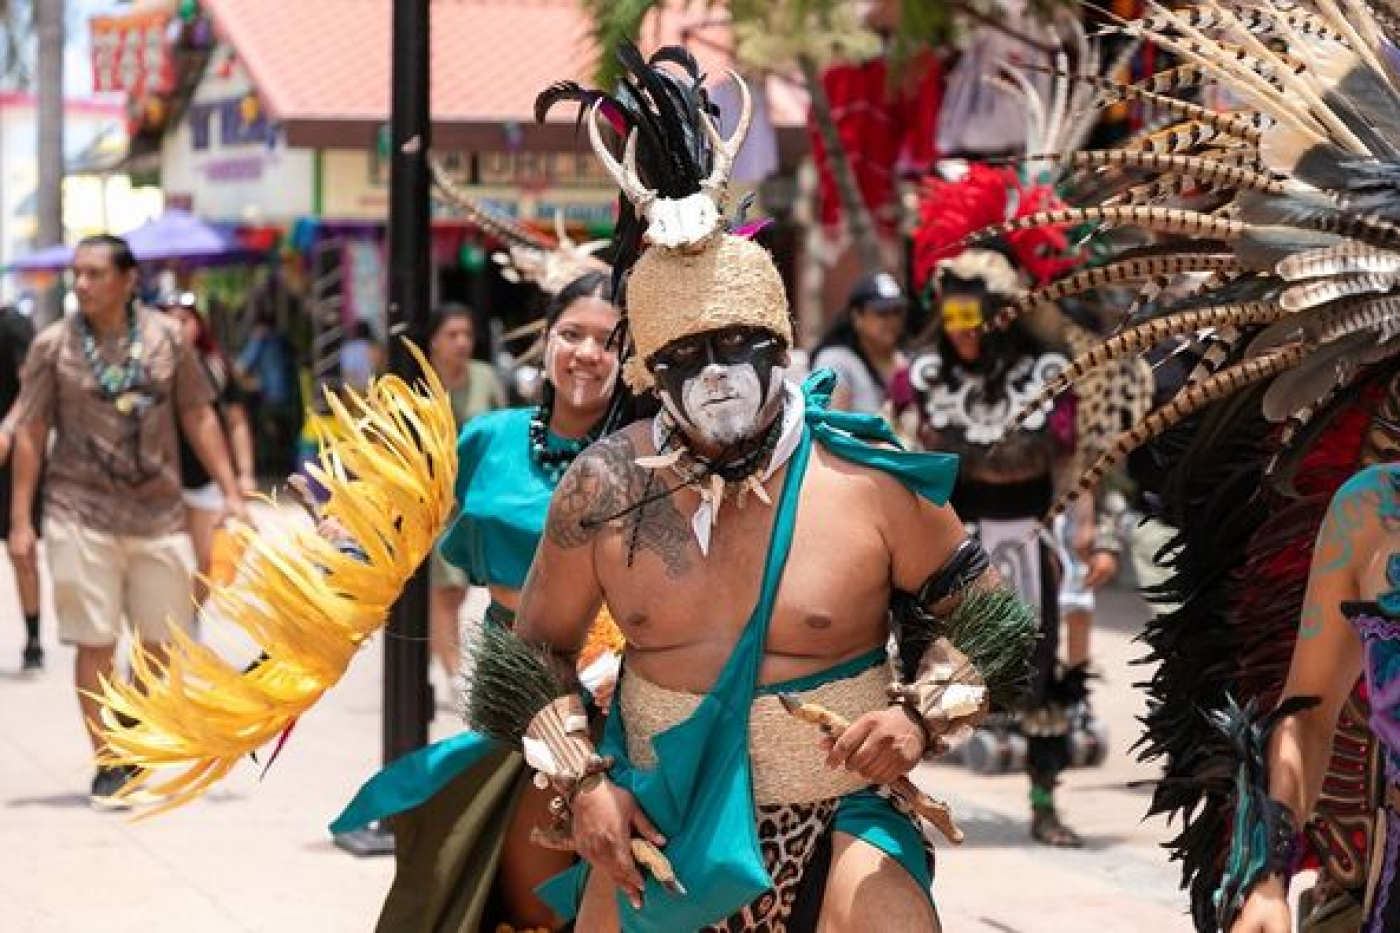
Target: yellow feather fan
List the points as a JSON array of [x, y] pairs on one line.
[[389, 472]]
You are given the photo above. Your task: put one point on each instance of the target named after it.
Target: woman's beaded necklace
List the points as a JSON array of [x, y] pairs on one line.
[[553, 460], [114, 380]]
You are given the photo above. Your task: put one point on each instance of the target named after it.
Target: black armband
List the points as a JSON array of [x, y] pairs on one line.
[[968, 561], [991, 628]]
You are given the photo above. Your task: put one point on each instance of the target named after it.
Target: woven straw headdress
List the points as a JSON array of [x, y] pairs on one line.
[[686, 273]]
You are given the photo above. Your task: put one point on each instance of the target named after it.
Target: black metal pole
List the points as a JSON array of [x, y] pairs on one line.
[[407, 703], [407, 700]]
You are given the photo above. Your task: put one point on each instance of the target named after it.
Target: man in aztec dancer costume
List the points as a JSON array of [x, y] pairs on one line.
[[964, 389], [759, 740], [711, 798], [1273, 704]]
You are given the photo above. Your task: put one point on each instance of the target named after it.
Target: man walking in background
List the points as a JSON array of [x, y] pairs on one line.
[[113, 382]]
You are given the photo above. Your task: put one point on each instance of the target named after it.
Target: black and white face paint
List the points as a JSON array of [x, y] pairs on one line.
[[723, 386]]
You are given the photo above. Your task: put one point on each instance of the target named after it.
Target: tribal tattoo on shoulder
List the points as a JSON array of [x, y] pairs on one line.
[[1368, 499], [605, 487]]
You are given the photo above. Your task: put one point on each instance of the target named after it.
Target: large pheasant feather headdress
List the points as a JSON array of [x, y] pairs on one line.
[[1281, 219]]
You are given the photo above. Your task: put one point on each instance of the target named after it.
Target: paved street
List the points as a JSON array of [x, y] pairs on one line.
[[254, 855]]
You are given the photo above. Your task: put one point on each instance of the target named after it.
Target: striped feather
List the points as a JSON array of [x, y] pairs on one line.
[[1181, 137], [1129, 270], [1159, 219], [1244, 126], [1141, 337], [1183, 404], [1342, 259], [1312, 294], [1207, 171], [1256, 20]]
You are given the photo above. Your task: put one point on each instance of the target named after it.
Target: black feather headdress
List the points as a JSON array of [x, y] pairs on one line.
[[680, 270], [663, 107]]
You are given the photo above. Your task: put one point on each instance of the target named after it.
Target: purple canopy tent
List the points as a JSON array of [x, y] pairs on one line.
[[48, 259], [173, 236]]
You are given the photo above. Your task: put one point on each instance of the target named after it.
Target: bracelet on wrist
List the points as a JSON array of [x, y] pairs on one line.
[[912, 711]]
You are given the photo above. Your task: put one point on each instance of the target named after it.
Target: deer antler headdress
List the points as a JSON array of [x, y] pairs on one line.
[[686, 273]]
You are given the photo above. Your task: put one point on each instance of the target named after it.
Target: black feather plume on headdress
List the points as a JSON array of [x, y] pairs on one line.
[[663, 105]]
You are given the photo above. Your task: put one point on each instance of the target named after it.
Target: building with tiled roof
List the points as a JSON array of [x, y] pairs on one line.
[[322, 66]]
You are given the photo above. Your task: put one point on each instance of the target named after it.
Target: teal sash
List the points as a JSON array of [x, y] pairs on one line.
[[700, 792]]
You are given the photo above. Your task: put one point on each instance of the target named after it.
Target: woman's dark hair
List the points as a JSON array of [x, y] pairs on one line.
[[589, 285], [842, 333], [439, 318], [117, 248]]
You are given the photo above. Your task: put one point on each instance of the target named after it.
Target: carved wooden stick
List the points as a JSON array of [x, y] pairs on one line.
[[833, 725], [647, 855]]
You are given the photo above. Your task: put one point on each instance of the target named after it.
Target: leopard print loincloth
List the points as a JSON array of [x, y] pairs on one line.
[[789, 835]]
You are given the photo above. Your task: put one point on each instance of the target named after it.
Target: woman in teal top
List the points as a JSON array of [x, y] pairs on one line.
[[510, 461], [462, 832]]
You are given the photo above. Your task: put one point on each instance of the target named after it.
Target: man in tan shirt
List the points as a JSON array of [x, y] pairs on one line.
[[114, 383]]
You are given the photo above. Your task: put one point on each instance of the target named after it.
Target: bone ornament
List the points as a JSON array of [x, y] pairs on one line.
[[687, 223]]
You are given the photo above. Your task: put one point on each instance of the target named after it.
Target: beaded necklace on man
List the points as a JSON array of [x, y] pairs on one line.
[[115, 380], [735, 474]]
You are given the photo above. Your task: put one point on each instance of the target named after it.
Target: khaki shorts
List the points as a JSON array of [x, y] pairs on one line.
[[101, 580]]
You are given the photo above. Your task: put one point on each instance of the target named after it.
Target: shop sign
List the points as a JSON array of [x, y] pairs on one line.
[[530, 187], [230, 156], [130, 53], [530, 171]]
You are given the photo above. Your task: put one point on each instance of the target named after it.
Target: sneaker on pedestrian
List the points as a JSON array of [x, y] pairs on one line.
[[106, 784], [33, 660]]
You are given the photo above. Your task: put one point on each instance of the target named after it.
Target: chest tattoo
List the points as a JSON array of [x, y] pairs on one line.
[[605, 487]]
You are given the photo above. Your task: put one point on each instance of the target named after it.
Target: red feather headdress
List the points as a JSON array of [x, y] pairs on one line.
[[986, 196]]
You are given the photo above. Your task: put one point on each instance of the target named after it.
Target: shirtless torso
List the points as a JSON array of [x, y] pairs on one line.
[[858, 534]]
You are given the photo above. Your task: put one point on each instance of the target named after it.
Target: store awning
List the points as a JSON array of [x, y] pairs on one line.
[[174, 235], [322, 68]]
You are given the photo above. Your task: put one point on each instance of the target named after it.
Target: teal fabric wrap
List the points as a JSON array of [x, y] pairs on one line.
[[413, 779], [857, 438], [873, 820], [502, 498], [699, 794]]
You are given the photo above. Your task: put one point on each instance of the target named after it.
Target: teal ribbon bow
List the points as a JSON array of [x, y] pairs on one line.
[[869, 441]]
